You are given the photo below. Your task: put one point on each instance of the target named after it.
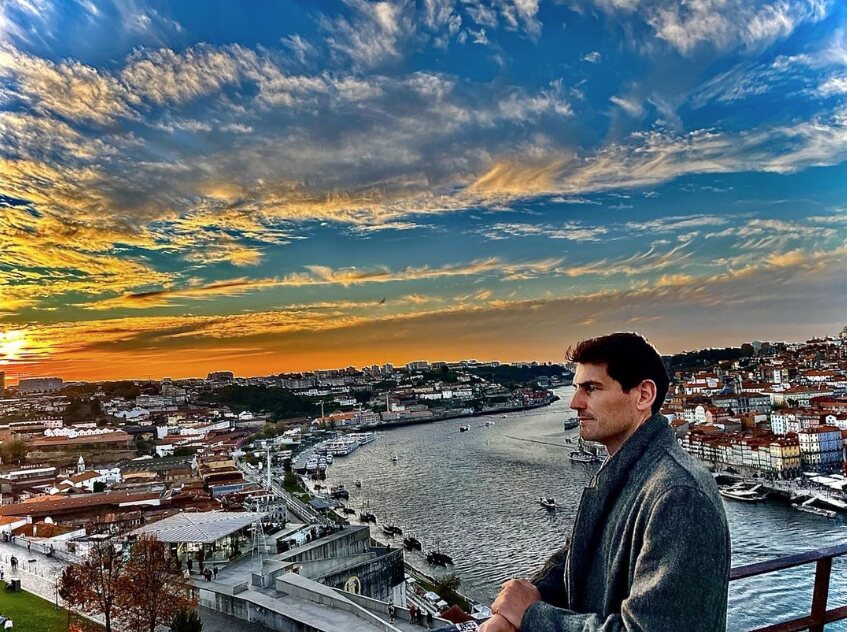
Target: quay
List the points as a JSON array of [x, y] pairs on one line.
[[789, 491]]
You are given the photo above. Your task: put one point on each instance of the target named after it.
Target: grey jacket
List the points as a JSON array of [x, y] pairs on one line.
[[650, 548]]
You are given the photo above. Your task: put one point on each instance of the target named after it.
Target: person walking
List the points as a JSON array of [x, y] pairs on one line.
[[411, 612], [215, 571], [428, 620], [391, 611]]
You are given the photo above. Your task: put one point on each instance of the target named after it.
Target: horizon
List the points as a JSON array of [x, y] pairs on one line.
[[277, 187], [13, 379]]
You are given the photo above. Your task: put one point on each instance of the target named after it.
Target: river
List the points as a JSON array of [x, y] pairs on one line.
[[475, 495]]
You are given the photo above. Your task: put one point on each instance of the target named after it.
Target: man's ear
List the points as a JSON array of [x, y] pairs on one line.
[[646, 392]]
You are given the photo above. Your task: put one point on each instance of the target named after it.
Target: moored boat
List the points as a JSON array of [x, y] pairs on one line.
[[412, 543], [817, 511], [548, 502], [464, 428], [739, 492], [438, 558]]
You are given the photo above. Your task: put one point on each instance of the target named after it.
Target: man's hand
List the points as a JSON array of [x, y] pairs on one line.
[[497, 623], [515, 597]]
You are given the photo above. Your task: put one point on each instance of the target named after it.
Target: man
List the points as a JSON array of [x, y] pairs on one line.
[[650, 549]]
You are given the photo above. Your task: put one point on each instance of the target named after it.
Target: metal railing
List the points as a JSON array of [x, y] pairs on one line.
[[819, 615]]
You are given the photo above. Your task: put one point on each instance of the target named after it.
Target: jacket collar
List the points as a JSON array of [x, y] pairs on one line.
[[651, 435], [602, 493]]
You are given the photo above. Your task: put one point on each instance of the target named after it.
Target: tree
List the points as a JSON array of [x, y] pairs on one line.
[[93, 585], [153, 590], [187, 621], [13, 452]]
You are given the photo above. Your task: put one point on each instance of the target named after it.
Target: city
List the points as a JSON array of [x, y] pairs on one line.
[[291, 293], [215, 469]]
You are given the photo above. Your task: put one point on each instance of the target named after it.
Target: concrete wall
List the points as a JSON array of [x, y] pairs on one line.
[[350, 541], [377, 576]]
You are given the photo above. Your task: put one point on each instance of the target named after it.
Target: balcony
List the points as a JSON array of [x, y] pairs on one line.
[[819, 614]]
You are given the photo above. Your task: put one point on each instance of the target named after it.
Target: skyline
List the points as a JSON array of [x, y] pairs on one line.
[[189, 187]]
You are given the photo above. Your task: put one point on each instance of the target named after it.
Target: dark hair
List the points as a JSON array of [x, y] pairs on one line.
[[629, 360]]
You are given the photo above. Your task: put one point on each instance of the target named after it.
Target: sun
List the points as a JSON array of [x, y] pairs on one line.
[[12, 342]]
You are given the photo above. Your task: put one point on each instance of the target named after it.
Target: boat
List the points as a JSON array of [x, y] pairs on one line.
[[393, 529], [363, 438], [438, 558], [570, 424], [339, 491], [548, 502], [579, 456], [329, 458], [357, 483], [824, 513], [394, 458], [464, 428], [387, 531], [348, 510], [488, 424], [589, 452], [367, 516], [739, 492], [412, 543]]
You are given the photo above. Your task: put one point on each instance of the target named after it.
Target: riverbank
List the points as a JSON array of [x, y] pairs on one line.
[[392, 425]]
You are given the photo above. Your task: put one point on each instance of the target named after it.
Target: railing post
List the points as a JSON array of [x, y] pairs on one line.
[[823, 570]]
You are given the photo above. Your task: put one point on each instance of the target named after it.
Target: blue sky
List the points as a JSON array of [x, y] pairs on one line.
[[273, 186]]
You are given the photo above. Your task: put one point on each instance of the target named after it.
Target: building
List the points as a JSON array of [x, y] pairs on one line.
[[28, 385], [821, 449], [208, 536]]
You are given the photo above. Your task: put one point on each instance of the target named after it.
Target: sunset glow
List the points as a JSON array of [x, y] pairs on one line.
[[269, 187]]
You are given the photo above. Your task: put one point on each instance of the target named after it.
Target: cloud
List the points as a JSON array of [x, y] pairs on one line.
[[594, 57], [631, 107], [571, 231], [318, 275], [725, 24], [780, 300]]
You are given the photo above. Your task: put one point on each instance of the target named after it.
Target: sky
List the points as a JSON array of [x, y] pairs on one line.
[[268, 187]]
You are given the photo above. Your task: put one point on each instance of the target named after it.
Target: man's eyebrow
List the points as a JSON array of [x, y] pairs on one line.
[[589, 383]]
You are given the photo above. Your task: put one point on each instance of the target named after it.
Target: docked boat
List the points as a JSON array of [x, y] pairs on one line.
[[329, 459], [464, 428], [488, 424], [342, 446], [570, 424], [817, 511], [363, 438], [412, 543], [339, 491], [393, 529], [744, 494], [548, 502], [438, 558], [367, 516], [579, 456], [386, 530]]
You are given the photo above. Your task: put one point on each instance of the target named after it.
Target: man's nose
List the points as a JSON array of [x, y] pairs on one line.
[[576, 402]]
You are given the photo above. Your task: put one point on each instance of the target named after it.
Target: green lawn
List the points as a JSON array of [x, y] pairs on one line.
[[30, 613]]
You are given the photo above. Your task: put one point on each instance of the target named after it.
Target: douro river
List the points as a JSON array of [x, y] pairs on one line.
[[474, 495]]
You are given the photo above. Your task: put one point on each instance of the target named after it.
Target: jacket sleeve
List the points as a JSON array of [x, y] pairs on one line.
[[680, 580], [550, 580]]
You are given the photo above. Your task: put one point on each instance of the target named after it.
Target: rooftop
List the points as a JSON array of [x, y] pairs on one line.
[[205, 527]]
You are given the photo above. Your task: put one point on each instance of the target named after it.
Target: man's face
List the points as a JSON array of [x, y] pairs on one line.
[[606, 413]]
